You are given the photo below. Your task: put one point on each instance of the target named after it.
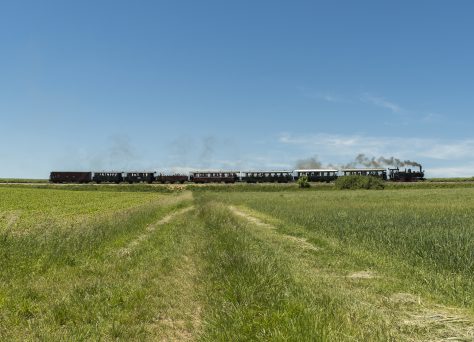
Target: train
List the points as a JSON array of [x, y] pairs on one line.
[[203, 177]]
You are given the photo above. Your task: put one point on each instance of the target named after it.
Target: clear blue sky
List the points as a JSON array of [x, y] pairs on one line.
[[234, 84]]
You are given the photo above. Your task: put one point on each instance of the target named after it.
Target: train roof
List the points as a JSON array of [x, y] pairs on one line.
[[215, 171], [316, 170], [109, 171], [70, 172], [369, 169], [138, 171], [268, 171]]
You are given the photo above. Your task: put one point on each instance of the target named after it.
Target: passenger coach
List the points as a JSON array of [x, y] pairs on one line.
[[266, 176], [214, 176], [374, 172], [317, 175]]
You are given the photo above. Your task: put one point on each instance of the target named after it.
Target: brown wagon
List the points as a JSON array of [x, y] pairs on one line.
[[70, 177], [174, 178], [214, 176]]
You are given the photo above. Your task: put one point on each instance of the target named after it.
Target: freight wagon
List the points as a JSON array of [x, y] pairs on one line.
[[70, 177]]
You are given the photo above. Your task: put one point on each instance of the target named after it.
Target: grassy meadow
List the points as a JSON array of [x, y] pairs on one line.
[[232, 263], [22, 181]]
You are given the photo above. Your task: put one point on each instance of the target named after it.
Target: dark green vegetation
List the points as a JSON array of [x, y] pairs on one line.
[[303, 182], [359, 182], [233, 265]]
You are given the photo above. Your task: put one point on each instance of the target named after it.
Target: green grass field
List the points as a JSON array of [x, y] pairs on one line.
[[22, 180], [236, 263]]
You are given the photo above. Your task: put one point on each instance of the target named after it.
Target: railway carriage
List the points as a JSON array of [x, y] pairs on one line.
[[174, 178], [108, 177], [317, 175], [267, 176], [140, 177], [214, 176], [374, 172], [70, 177]]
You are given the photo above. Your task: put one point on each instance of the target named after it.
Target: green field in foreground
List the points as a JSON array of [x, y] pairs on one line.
[[236, 265]]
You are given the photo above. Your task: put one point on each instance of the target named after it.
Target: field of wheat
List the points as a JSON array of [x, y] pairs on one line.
[[210, 264]]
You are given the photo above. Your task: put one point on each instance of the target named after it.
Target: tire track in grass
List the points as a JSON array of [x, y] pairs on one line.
[[128, 250], [161, 295], [426, 321], [161, 279], [100, 296], [301, 242], [251, 295], [179, 319]]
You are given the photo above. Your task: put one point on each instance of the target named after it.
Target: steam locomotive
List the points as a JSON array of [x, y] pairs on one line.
[[394, 174], [409, 175], [313, 175]]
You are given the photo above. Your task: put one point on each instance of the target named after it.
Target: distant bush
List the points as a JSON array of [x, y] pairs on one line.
[[359, 182], [303, 182]]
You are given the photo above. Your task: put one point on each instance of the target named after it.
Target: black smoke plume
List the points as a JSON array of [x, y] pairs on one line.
[[207, 152], [309, 163], [362, 159]]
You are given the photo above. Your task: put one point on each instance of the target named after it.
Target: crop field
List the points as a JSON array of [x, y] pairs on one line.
[[232, 264]]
